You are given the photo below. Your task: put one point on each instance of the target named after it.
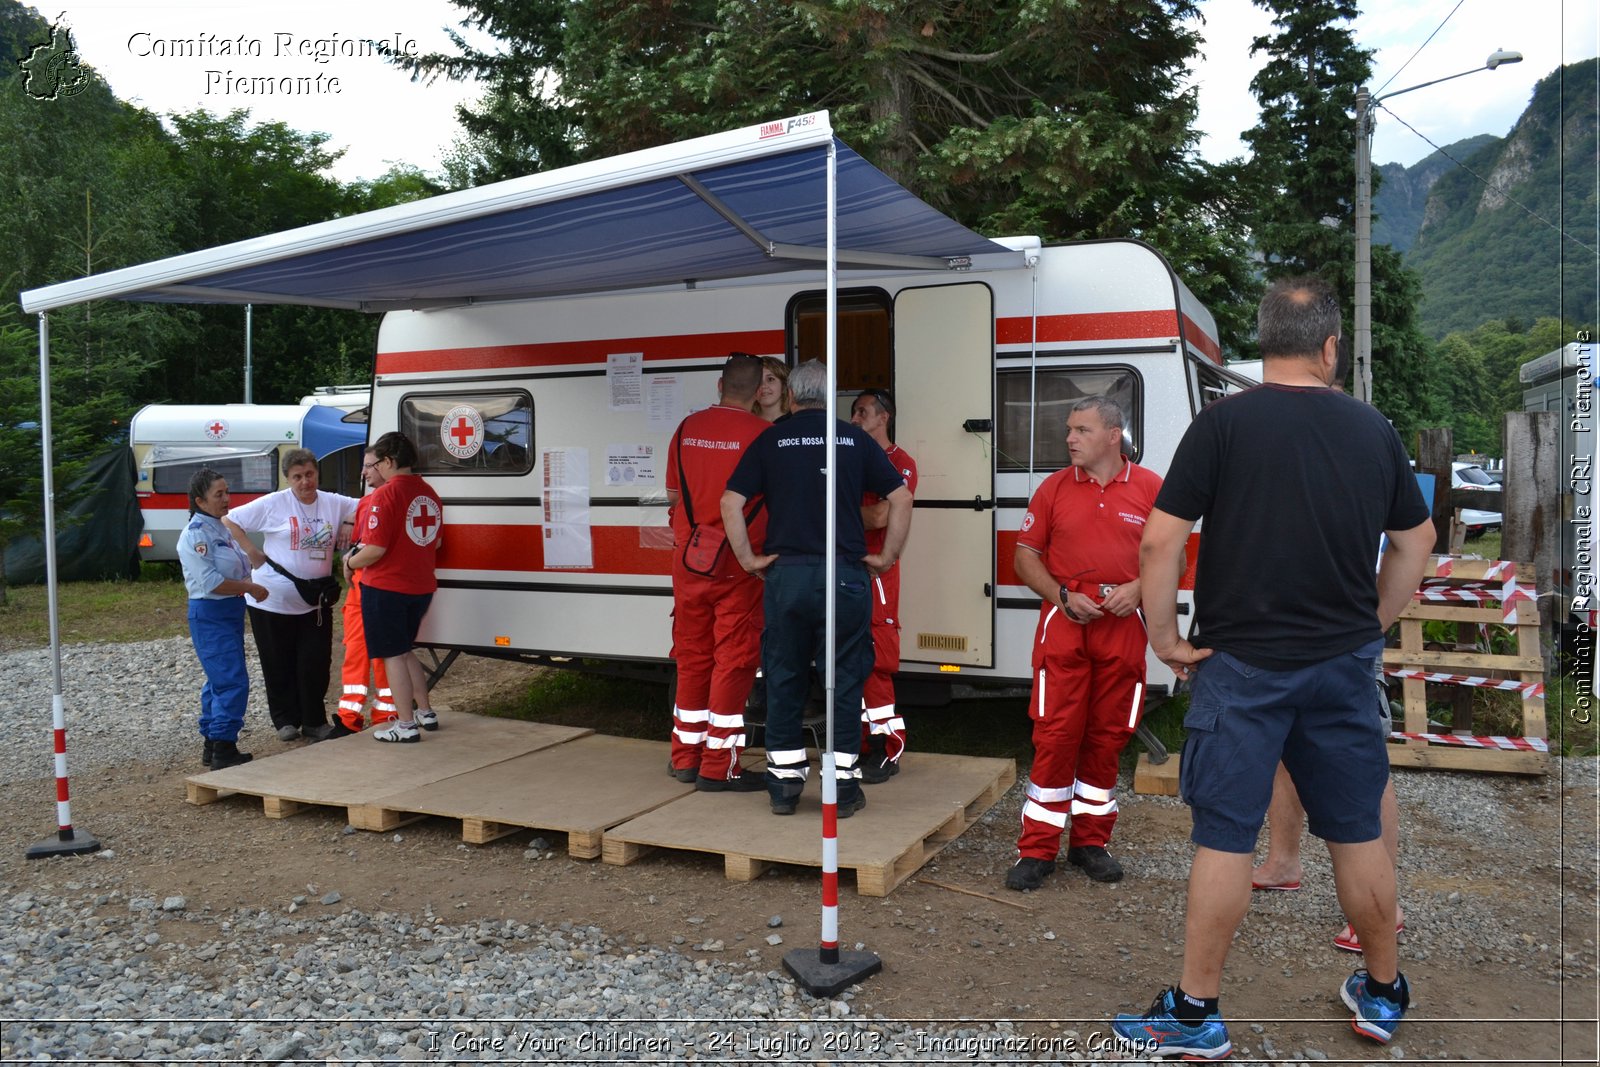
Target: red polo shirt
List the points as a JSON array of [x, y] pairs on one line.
[[711, 442], [908, 470], [405, 516], [1090, 533]]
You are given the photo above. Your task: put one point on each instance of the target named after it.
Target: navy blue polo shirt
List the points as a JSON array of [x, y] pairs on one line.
[[785, 464]]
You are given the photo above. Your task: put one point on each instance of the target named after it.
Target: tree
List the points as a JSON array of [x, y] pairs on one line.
[[978, 109], [1302, 179]]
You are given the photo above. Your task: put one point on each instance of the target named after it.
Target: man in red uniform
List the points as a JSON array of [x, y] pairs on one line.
[[883, 730], [358, 668], [716, 616], [1079, 550]]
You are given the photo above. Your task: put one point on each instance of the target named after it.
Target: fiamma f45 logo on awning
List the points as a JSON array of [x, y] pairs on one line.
[[778, 129]]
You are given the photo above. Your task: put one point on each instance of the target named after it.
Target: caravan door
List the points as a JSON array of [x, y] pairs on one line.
[[944, 393]]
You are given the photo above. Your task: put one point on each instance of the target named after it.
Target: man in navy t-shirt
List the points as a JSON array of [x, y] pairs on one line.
[[787, 465], [1297, 482]]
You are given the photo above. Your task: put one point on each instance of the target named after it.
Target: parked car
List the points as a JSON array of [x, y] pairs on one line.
[[1473, 477]]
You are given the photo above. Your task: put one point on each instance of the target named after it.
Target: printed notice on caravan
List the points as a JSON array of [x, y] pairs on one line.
[[631, 465], [665, 408], [567, 540], [623, 371]]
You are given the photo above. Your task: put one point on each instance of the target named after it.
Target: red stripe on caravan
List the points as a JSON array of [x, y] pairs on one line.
[[487, 547], [568, 353], [1005, 546], [1100, 326], [180, 501], [1201, 340]]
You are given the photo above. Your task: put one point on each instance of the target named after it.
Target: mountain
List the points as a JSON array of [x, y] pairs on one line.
[[1402, 195], [1511, 233]]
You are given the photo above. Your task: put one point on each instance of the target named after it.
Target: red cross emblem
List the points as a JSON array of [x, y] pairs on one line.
[[217, 429], [461, 431]]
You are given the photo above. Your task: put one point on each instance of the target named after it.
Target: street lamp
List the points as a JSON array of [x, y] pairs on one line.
[[1363, 308]]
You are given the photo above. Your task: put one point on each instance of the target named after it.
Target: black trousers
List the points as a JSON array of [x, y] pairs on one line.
[[295, 652]]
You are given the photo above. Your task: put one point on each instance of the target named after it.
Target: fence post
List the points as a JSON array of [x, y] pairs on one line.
[[1435, 454], [1534, 519]]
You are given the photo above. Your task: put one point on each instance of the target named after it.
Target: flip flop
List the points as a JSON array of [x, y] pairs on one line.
[[1285, 887], [1347, 940]]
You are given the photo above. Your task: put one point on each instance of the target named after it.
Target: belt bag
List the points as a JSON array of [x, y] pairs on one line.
[[317, 592], [703, 552]]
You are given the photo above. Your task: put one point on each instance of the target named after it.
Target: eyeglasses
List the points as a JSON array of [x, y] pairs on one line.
[[371, 466]]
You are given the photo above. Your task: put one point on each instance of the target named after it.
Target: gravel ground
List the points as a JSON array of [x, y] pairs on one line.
[[95, 965]]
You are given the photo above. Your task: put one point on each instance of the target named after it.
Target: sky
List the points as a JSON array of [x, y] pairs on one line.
[[168, 55]]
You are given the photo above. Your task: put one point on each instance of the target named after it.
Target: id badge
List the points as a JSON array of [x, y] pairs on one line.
[[318, 554]]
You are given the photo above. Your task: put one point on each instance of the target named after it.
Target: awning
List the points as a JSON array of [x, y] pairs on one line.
[[746, 203]]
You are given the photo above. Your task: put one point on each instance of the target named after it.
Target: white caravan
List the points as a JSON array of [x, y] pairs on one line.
[[544, 425], [242, 442]]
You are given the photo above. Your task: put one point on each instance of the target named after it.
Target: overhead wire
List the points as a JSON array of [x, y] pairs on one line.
[[1420, 47]]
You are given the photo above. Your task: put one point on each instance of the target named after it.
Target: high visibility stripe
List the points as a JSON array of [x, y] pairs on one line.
[[880, 714], [1044, 631], [730, 741], [1138, 702], [689, 738], [1093, 792], [727, 722], [359, 690], [882, 597], [846, 759], [1033, 811], [1049, 796], [1083, 807], [686, 715], [1041, 692], [792, 774], [897, 725], [787, 756]]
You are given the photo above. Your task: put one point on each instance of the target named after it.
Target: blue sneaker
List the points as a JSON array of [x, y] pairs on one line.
[[1375, 1017], [1158, 1033]]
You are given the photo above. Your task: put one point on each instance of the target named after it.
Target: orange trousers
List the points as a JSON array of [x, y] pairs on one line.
[[358, 670]]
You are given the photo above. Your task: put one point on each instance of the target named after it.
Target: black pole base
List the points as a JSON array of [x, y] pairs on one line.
[[829, 979], [76, 845]]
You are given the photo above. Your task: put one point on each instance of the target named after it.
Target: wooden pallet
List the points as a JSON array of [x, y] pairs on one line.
[[571, 788], [353, 772], [907, 820], [1493, 593]]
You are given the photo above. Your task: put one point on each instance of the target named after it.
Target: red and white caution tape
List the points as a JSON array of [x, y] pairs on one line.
[[1511, 596], [1528, 690], [1518, 744]]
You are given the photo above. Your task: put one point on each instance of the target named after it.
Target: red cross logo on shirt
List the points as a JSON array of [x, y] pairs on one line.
[[422, 520]]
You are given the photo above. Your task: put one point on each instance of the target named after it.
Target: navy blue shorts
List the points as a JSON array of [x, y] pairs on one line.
[[1320, 720], [391, 620]]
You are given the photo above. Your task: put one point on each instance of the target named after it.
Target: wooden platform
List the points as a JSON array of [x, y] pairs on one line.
[[906, 822], [612, 797]]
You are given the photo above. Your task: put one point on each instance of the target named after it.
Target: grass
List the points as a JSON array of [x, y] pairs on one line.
[[153, 607]]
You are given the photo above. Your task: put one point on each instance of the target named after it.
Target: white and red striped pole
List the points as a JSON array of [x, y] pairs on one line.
[[67, 841]]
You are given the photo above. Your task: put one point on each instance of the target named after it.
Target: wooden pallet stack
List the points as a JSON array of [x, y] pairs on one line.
[[1478, 596]]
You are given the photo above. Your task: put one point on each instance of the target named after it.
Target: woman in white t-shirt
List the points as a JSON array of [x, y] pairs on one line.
[[300, 530]]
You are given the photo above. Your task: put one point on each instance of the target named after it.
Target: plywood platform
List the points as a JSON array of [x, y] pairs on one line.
[[612, 797], [354, 771], [571, 788], [906, 822]]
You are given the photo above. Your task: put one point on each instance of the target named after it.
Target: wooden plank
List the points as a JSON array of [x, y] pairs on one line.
[[1457, 758], [281, 807], [584, 845], [622, 853], [201, 794], [736, 868], [1461, 662], [1432, 610], [1156, 779], [476, 831], [379, 818]]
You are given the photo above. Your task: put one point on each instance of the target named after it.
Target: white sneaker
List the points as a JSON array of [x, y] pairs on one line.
[[427, 720], [399, 732]]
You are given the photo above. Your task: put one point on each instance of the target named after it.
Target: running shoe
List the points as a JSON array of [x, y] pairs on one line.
[[1375, 1017], [398, 732], [427, 720], [1159, 1033]]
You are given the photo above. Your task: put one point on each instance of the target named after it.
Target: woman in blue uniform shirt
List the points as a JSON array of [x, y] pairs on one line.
[[217, 574]]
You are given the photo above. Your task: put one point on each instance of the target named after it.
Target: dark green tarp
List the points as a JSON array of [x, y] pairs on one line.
[[98, 537]]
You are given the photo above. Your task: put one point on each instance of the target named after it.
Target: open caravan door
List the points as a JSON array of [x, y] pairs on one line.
[[944, 362]]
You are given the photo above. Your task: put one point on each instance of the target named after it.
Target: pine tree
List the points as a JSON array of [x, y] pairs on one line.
[[1066, 120]]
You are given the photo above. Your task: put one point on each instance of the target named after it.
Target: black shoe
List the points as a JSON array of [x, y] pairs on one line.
[[210, 744], [320, 732], [785, 806], [1096, 862], [683, 774], [877, 775], [1029, 874], [225, 754], [853, 804], [743, 782], [339, 729]]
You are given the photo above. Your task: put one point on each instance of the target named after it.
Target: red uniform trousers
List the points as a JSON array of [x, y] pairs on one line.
[[878, 713], [357, 668], [716, 640], [1088, 694]]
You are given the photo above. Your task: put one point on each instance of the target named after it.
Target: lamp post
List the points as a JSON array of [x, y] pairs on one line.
[[1363, 303]]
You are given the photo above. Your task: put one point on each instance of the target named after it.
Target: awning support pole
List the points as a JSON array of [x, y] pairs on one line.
[[67, 842], [828, 971]]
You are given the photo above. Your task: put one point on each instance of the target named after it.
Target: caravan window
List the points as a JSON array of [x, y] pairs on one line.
[[470, 433], [1047, 410], [1209, 383], [244, 474], [865, 359]]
